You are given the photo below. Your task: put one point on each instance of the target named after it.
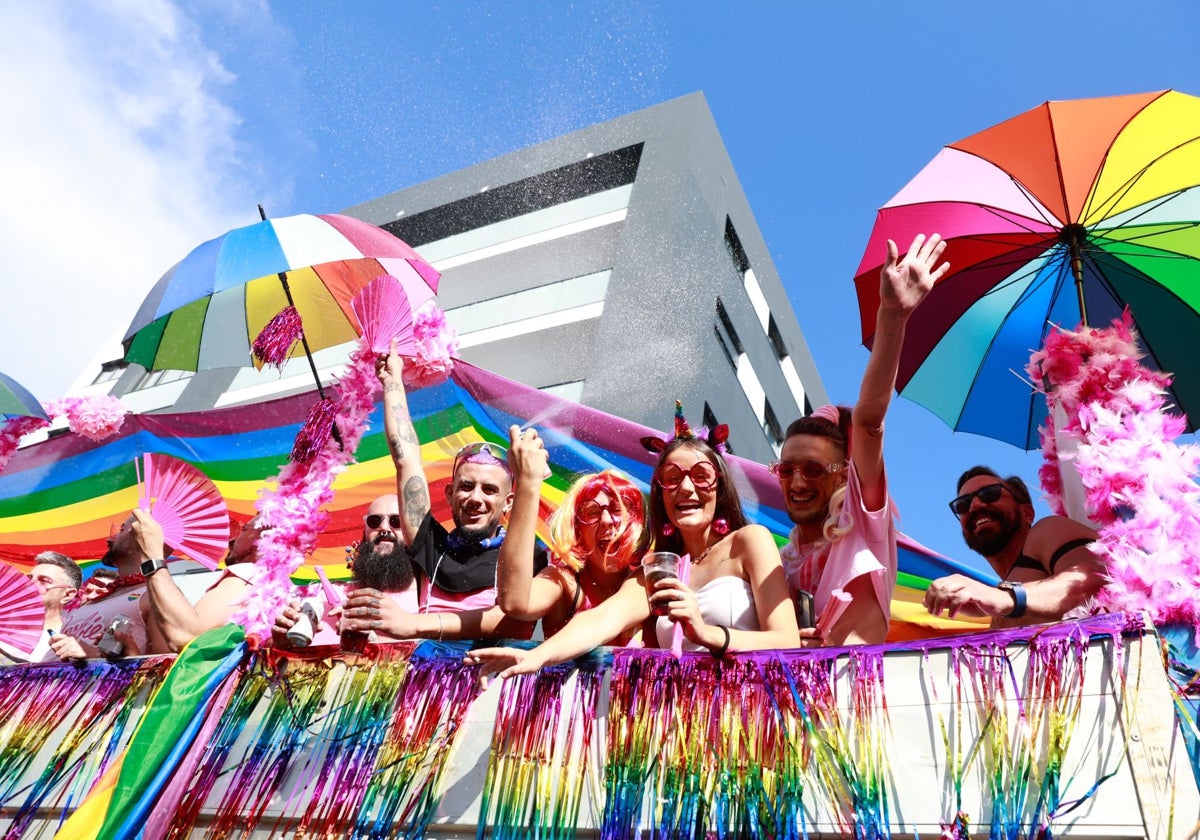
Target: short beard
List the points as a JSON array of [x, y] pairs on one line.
[[389, 572], [111, 558], [990, 546], [809, 518]]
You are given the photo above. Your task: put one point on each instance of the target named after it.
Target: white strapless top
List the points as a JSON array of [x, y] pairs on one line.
[[727, 600]]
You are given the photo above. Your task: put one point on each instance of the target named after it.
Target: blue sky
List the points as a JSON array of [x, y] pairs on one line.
[[138, 130]]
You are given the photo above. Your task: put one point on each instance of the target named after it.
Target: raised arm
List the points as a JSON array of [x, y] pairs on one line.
[[519, 592], [411, 484], [903, 284]]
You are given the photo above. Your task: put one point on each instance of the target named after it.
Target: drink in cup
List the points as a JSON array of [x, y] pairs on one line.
[[660, 565]]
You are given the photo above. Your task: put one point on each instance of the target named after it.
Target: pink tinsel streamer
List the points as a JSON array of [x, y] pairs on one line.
[[1140, 484], [96, 418], [437, 345], [11, 432], [294, 509], [273, 344]]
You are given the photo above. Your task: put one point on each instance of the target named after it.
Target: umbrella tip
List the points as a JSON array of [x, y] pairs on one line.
[[262, 214]]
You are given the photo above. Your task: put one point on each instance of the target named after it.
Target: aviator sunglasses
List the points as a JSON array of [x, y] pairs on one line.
[[481, 446], [988, 495], [374, 520], [702, 473], [810, 468]]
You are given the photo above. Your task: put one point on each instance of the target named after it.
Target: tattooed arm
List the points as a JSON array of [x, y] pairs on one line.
[[405, 448]]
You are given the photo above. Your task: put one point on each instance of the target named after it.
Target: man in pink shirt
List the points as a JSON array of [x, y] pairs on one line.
[[841, 560]]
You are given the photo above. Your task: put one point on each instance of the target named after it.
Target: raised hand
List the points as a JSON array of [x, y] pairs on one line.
[[904, 283], [527, 455]]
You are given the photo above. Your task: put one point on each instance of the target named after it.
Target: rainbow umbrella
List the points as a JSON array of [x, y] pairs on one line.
[[1067, 213], [16, 401], [206, 311]]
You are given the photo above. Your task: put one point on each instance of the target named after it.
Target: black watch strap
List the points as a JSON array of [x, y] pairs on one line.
[[149, 567]]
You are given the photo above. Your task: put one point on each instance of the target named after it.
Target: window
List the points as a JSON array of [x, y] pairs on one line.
[[727, 336], [771, 427], [160, 377], [776, 339], [733, 244], [110, 371]]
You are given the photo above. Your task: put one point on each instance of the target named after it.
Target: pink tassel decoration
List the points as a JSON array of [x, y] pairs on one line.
[[315, 432], [437, 345], [96, 418], [274, 343]]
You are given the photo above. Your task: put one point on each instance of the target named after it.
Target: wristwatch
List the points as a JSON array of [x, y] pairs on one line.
[[1017, 590], [149, 567]]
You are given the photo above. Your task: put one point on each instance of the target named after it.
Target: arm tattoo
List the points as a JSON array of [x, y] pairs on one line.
[[405, 433], [416, 500]]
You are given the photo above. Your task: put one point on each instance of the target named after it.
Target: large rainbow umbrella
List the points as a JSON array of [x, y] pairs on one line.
[[206, 311], [63, 493], [1067, 213]]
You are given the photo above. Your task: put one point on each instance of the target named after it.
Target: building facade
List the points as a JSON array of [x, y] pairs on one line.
[[619, 266]]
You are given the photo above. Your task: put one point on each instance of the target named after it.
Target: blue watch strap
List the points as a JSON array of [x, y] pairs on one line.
[[1019, 597]]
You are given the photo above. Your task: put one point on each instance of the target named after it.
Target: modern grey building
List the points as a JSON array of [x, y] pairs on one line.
[[619, 266]]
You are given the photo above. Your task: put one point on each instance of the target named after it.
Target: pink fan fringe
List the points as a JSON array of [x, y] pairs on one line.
[[437, 345], [294, 508], [1140, 484], [96, 418], [274, 343]]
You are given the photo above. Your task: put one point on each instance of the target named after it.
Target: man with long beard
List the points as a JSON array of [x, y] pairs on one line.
[[1046, 568]]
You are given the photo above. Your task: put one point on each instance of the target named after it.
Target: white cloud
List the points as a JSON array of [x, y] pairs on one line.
[[115, 150]]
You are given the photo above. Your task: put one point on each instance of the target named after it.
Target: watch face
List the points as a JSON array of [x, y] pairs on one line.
[[149, 567]]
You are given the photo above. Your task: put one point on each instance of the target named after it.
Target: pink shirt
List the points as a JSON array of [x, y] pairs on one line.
[[327, 633], [868, 548]]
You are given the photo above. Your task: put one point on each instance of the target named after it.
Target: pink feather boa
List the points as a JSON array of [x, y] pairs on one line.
[[1140, 484], [437, 345], [294, 507], [96, 418]]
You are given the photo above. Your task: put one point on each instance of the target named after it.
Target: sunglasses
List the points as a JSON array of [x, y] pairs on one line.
[[374, 520], [988, 495], [810, 468], [589, 512], [481, 447], [703, 475]]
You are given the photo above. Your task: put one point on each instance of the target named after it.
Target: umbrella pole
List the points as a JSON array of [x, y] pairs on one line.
[[287, 291], [1074, 234]]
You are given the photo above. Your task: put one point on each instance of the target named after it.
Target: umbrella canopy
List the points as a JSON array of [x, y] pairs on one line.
[[15, 401], [1065, 214], [206, 311]]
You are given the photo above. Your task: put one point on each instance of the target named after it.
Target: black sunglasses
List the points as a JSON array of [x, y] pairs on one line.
[[374, 520], [988, 495]]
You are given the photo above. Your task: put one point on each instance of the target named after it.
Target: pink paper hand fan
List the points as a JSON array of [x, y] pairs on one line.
[[384, 312], [187, 505], [22, 615]]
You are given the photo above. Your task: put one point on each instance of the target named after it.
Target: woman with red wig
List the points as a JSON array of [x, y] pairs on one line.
[[597, 538], [730, 593]]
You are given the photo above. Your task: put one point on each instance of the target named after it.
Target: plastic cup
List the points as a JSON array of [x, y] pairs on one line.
[[660, 565]]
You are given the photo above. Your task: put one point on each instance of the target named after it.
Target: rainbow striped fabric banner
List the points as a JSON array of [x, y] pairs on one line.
[[66, 492]]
